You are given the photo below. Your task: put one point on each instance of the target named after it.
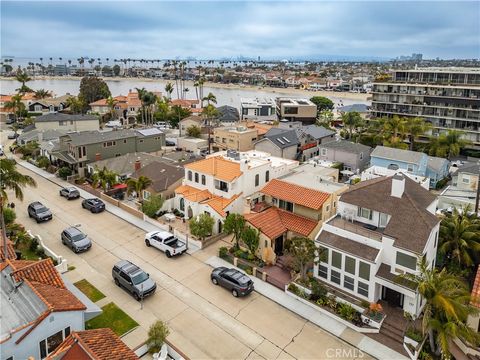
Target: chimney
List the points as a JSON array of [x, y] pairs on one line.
[[138, 164], [98, 157], [398, 185]]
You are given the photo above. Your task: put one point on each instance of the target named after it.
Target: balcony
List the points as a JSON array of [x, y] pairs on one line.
[[356, 228]]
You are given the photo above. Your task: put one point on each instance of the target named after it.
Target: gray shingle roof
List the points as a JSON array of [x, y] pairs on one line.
[[93, 137], [470, 168], [125, 164], [351, 247], [64, 117], [436, 163], [412, 157], [46, 135], [228, 114], [282, 138], [317, 132], [162, 175], [347, 146], [361, 108]]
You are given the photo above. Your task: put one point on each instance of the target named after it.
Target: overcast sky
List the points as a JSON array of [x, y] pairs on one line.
[[216, 29]]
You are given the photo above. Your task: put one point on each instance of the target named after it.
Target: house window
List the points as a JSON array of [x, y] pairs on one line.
[[71, 122], [323, 254], [327, 209], [365, 213], [393, 167], [335, 277], [109, 143], [61, 123], [38, 108], [257, 180], [189, 175], [50, 344], [348, 283], [66, 331], [324, 152], [323, 271], [383, 220], [350, 265], [267, 176], [141, 141], [182, 204], [364, 271], [146, 194], [286, 205], [196, 177], [362, 289], [204, 180], [466, 180], [124, 141], [406, 260], [336, 259], [410, 168]]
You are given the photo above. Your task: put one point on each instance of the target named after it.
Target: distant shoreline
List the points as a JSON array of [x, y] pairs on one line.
[[287, 91]]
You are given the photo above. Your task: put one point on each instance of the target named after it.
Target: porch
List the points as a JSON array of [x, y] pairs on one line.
[[356, 227]]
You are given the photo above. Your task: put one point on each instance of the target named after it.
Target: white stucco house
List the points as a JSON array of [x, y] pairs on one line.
[[383, 226]]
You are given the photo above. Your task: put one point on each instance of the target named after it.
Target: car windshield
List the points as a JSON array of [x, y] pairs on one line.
[[139, 278], [41, 209], [78, 237]]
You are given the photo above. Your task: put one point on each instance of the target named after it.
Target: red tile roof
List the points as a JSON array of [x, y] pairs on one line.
[[273, 222], [217, 203], [475, 299], [217, 166], [10, 251], [296, 194], [98, 344]]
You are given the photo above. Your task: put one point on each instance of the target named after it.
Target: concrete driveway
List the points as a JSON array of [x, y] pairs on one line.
[[206, 321]]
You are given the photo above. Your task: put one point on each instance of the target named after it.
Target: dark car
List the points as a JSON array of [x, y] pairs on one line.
[[39, 212], [133, 279], [76, 240], [235, 281], [70, 193], [95, 205]]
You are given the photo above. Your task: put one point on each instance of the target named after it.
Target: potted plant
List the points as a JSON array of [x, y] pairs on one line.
[[374, 315]]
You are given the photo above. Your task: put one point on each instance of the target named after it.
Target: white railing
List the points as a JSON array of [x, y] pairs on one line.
[[62, 265]]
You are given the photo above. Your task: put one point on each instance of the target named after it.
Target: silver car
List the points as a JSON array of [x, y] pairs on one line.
[[76, 240]]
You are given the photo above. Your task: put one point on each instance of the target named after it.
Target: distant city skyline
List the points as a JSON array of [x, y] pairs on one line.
[[216, 29]]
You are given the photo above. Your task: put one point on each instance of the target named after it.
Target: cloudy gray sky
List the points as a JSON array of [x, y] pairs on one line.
[[216, 29]]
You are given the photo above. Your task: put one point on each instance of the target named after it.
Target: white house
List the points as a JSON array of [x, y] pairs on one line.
[[382, 228], [221, 183], [38, 309]]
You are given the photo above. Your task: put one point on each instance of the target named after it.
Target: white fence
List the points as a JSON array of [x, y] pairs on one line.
[[62, 265]]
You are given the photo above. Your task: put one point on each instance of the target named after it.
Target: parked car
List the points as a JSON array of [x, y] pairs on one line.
[[235, 281], [10, 121], [1, 150], [133, 279], [13, 135], [166, 242], [95, 205], [39, 212], [76, 240], [70, 192]]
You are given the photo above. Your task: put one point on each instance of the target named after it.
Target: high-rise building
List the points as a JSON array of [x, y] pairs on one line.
[[448, 98]]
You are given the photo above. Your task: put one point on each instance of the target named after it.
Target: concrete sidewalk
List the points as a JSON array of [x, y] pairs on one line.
[[364, 343], [132, 219]]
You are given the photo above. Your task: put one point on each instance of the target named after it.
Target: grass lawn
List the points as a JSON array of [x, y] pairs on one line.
[[88, 289], [114, 318]]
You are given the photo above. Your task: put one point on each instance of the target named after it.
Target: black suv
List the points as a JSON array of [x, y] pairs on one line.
[[39, 212], [70, 193], [133, 279], [235, 281], [94, 205]]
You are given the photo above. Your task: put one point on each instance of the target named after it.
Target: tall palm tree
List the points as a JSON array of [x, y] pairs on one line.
[[447, 306], [16, 104], [138, 185], [42, 94], [169, 90], [396, 126], [210, 98], [111, 106], [23, 78], [352, 120], [105, 178], [460, 237], [11, 179], [417, 126], [447, 145]]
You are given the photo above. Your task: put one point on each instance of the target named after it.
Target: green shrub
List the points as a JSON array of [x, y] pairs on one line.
[[33, 245], [151, 206], [346, 311], [365, 304], [157, 334], [43, 162], [332, 302], [9, 216], [441, 183], [222, 252], [318, 290], [238, 253], [414, 334], [293, 288], [64, 172]]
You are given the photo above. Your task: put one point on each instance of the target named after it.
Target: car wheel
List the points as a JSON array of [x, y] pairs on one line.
[[92, 211], [38, 220], [116, 282], [214, 281], [136, 296], [83, 205], [235, 293], [76, 251], [29, 215], [168, 254], [63, 242], [147, 243]]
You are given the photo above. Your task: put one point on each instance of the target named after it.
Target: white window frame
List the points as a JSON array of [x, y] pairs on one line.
[[410, 167], [324, 152]]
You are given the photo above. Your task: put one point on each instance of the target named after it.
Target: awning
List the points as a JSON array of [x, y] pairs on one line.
[[120, 186], [347, 172]]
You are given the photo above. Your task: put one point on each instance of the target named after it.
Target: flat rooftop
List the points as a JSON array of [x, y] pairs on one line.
[[315, 180], [451, 69], [258, 158], [257, 101]]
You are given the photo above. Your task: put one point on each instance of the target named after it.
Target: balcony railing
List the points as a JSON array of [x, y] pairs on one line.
[[356, 228]]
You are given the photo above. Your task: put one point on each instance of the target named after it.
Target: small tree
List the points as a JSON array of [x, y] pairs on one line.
[[201, 226], [303, 251], [64, 172], [322, 103], [9, 216], [43, 162], [157, 334], [234, 224], [194, 131], [251, 239], [151, 206]]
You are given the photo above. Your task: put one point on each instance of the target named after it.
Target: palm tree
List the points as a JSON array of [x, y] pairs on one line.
[[42, 94], [417, 126], [138, 185], [111, 106], [75, 105], [105, 178], [23, 77], [396, 126], [351, 120], [447, 306], [460, 237], [447, 145], [210, 98], [16, 104], [169, 90], [11, 180]]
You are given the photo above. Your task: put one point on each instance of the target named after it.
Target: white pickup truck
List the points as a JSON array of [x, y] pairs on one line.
[[166, 242]]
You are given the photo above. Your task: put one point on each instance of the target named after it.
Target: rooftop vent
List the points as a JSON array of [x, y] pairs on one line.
[[280, 141]]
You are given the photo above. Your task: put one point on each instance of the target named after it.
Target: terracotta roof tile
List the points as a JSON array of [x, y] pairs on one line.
[[217, 203], [99, 344], [475, 299], [10, 251], [59, 299], [217, 166], [273, 222], [297, 194]]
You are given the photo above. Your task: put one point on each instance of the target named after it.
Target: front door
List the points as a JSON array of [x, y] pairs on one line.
[[279, 246], [392, 297]]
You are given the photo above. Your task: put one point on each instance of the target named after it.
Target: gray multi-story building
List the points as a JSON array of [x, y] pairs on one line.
[[448, 98], [81, 148]]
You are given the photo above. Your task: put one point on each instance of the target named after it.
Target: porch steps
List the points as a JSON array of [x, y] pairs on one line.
[[392, 330]]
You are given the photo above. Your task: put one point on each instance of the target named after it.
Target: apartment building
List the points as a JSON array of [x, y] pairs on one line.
[[258, 109], [448, 98], [296, 110], [383, 227], [239, 138], [221, 183]]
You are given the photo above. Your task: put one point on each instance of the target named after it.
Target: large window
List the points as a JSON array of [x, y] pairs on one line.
[[323, 271], [362, 289], [285, 205], [189, 176], [350, 265], [291, 110], [204, 180], [348, 282], [364, 271], [365, 213], [48, 345], [336, 259], [335, 277], [267, 176], [406, 260], [257, 180], [323, 254], [196, 177]]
